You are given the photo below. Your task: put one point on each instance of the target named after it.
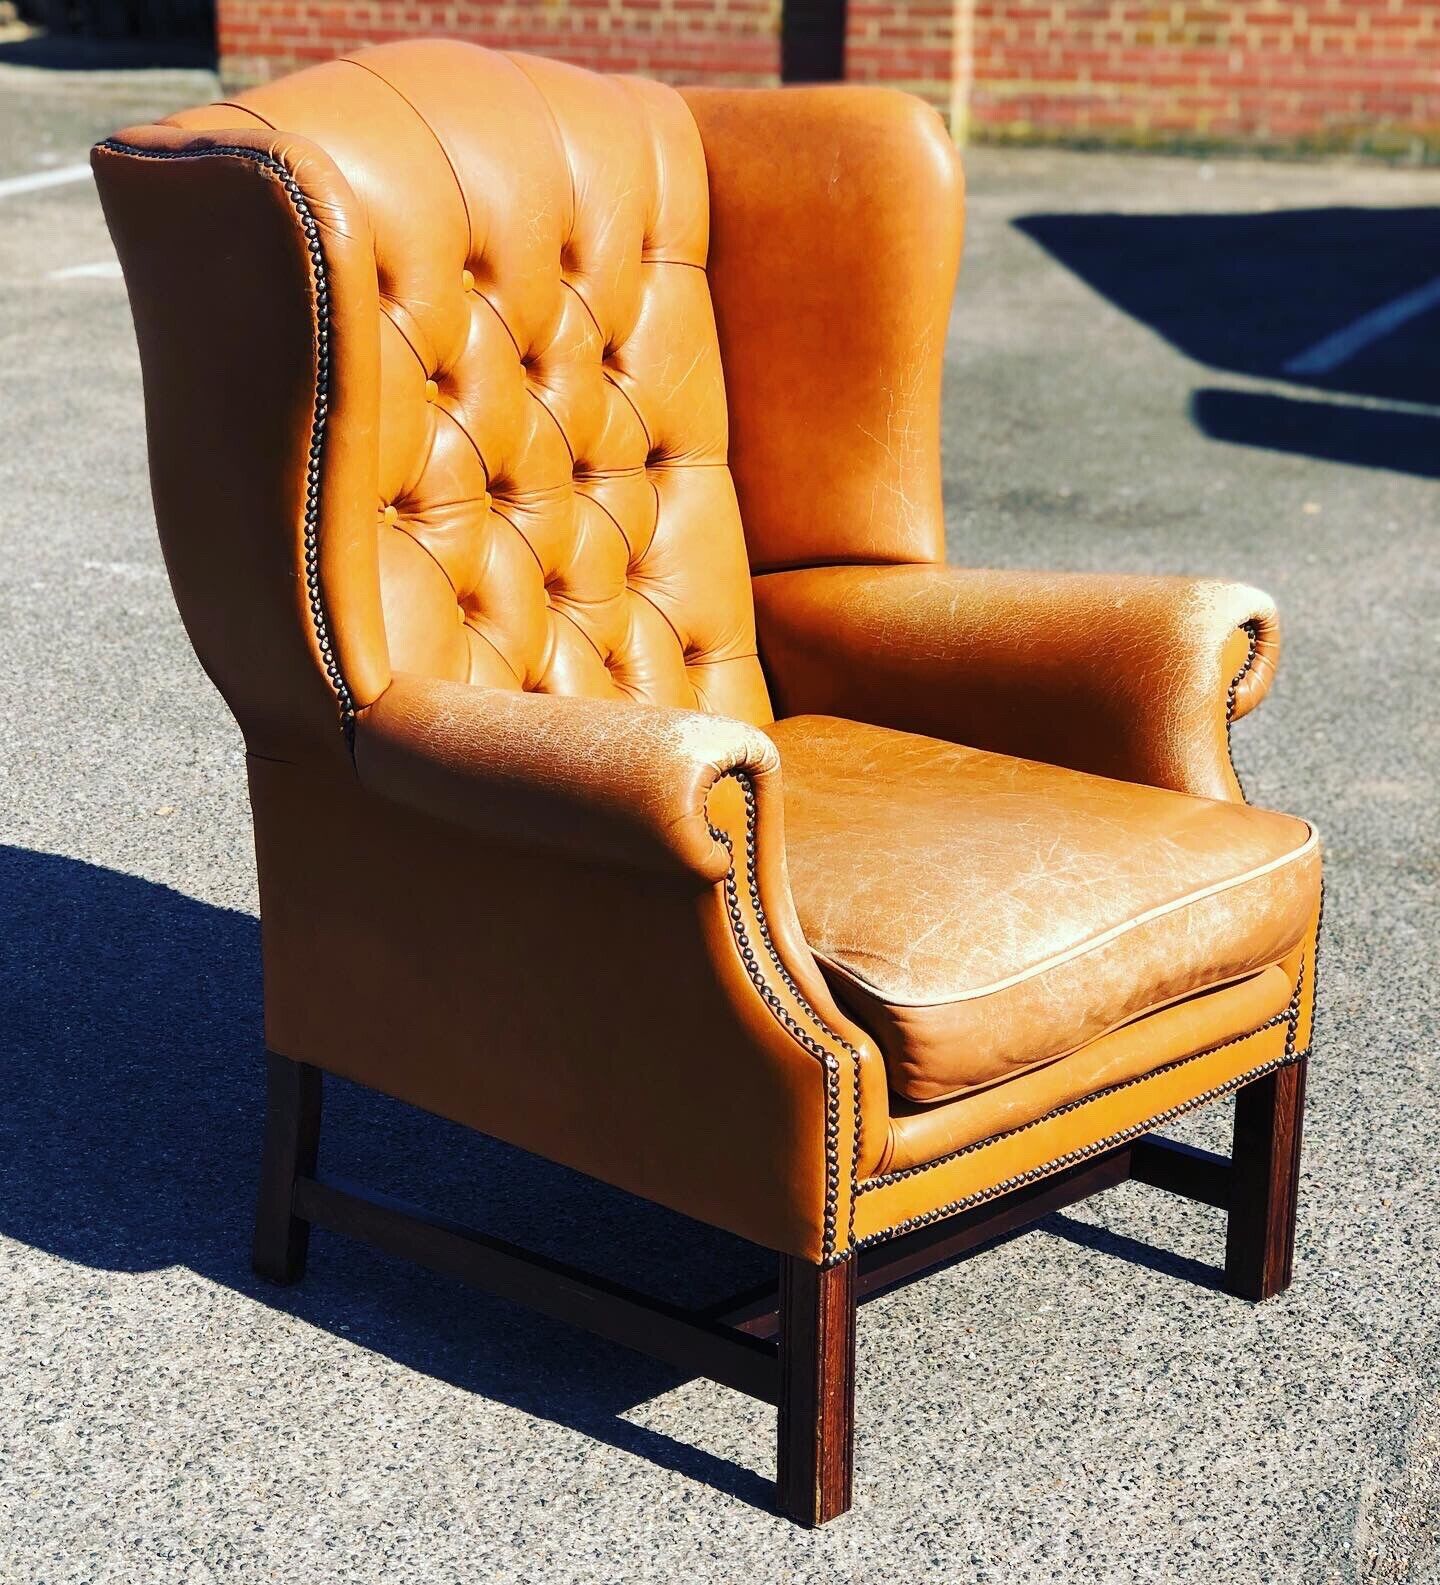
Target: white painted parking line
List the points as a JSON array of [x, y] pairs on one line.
[[1328, 355], [107, 271], [14, 185]]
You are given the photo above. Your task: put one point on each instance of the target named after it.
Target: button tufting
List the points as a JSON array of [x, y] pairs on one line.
[[480, 484]]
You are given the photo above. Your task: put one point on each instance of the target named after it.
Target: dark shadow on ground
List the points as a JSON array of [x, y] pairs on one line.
[[132, 1075], [107, 55], [1152, 1258], [1253, 294], [114, 35], [1337, 432], [132, 1080]]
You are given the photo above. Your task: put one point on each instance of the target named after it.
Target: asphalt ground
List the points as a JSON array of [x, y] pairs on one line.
[[1079, 1403]]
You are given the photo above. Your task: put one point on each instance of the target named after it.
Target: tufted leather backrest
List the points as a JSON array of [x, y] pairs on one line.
[[555, 508]]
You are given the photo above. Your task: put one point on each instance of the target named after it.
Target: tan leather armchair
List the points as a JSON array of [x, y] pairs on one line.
[[547, 468]]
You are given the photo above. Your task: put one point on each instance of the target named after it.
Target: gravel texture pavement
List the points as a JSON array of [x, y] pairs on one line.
[[1078, 1404]]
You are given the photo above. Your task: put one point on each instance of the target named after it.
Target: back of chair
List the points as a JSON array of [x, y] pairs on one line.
[[552, 506]]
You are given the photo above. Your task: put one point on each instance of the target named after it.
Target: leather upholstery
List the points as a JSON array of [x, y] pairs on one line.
[[625, 784], [1135, 677], [981, 914], [553, 508], [599, 1014], [1175, 1081], [461, 482], [247, 544], [836, 222], [921, 1132]]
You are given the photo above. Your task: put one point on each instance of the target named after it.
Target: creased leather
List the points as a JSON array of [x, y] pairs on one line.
[[836, 220], [600, 779], [981, 914], [552, 507], [1126, 676]]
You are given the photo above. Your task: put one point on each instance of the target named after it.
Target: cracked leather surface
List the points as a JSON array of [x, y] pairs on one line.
[[1127, 676], [981, 913], [600, 779]]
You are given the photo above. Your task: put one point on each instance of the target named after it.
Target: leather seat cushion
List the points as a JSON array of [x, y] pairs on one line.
[[983, 915]]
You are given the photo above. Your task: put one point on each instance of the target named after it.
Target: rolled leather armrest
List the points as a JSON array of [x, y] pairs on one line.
[[1134, 677], [595, 779]]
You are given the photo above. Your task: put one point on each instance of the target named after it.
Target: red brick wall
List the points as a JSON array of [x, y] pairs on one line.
[[1293, 73], [908, 44], [1289, 73], [722, 41]]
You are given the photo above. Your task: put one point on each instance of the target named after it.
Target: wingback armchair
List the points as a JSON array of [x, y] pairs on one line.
[[547, 468]]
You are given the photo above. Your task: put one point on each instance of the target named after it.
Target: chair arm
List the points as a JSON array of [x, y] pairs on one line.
[[1135, 677], [594, 779], [602, 887]]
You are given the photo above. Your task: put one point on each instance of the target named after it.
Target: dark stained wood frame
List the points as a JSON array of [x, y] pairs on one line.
[[792, 1343]]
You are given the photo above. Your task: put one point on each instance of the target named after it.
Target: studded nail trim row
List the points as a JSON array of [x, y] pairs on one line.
[[830, 1064], [1073, 1157], [1290, 1015], [1233, 693], [1287, 1015]]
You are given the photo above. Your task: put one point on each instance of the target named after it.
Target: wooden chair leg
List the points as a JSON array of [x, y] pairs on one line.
[[1260, 1243], [292, 1140], [817, 1390]]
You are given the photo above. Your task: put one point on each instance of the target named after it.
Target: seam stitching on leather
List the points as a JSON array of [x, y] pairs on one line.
[[830, 1254], [1072, 1157], [1287, 1014], [321, 408], [1084, 948]]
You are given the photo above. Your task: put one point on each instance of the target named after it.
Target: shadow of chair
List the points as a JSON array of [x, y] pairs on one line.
[[129, 1139], [1266, 295]]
